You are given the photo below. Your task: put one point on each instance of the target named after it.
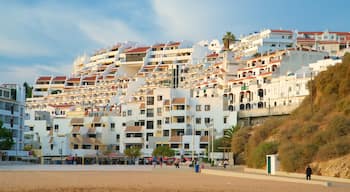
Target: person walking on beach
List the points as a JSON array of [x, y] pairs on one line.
[[177, 163], [308, 172], [154, 161], [161, 162]]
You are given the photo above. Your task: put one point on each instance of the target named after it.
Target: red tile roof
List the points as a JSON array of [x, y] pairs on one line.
[[93, 78], [74, 79], [179, 100], [158, 45], [137, 50], [59, 78], [213, 55], [173, 44], [45, 78], [133, 129]]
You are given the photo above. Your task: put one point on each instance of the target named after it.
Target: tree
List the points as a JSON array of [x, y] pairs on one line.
[[228, 39], [133, 152], [28, 89], [229, 133], [163, 151], [6, 140]]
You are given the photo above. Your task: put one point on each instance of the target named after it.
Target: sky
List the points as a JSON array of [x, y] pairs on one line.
[[43, 37]]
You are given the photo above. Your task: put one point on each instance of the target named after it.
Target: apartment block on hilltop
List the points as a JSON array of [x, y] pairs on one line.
[[175, 93]]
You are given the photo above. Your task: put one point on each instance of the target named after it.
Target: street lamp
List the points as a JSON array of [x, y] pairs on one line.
[[182, 146]]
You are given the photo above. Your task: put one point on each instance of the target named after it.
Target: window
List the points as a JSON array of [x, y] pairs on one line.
[[149, 125], [150, 113], [198, 120], [47, 128], [56, 128], [167, 120], [187, 146], [159, 98], [129, 112], [159, 111], [198, 132], [117, 137], [76, 146], [112, 126], [166, 133], [198, 107], [159, 122], [142, 112], [207, 107], [32, 129], [150, 100], [142, 123], [225, 120], [206, 120], [6, 94], [51, 147], [96, 147]]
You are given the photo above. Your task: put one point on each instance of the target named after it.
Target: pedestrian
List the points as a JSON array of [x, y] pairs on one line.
[[177, 163], [308, 172], [161, 162], [154, 161]]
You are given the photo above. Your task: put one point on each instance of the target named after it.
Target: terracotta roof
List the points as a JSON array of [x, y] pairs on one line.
[[204, 139], [265, 74], [74, 79], [213, 55], [174, 44], [281, 31], [59, 78], [167, 102], [175, 139], [93, 78], [76, 129], [75, 121], [178, 100], [75, 140], [137, 50], [88, 141], [310, 33], [46, 78], [133, 129], [142, 106], [158, 45]]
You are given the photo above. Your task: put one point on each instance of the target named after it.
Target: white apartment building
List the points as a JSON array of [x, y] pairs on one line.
[[175, 93], [264, 41], [331, 42], [12, 101]]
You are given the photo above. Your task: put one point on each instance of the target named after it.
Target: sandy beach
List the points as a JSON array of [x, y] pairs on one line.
[[166, 179]]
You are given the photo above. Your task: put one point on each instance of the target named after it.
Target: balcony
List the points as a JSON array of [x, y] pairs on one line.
[[133, 140]]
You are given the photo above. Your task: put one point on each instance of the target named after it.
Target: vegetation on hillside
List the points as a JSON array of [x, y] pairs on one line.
[[6, 140], [318, 130]]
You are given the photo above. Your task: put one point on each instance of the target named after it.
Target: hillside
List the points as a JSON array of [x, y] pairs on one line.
[[317, 132]]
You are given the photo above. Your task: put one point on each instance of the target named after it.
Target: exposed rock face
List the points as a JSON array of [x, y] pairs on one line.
[[339, 167]]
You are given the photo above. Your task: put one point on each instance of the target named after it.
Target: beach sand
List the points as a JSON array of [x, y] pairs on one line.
[[169, 180]]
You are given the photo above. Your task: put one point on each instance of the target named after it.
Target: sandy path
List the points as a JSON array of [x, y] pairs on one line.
[[156, 180]]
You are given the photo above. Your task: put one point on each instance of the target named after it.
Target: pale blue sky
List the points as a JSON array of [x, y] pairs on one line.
[[43, 37]]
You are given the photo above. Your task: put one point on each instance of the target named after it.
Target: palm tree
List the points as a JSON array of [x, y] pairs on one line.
[[228, 39], [133, 152]]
